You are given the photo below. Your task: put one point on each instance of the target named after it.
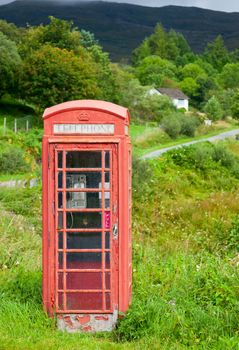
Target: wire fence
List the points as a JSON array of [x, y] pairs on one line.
[[16, 125]]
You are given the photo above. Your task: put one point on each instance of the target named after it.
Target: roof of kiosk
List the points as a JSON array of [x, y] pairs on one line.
[[87, 104]]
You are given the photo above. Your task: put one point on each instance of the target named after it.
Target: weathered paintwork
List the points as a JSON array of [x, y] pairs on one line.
[[112, 123]]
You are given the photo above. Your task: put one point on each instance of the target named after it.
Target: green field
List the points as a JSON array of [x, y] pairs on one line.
[[185, 257]]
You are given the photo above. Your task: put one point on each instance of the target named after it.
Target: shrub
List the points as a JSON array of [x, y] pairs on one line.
[[12, 161], [141, 172], [213, 109], [205, 156], [189, 125], [171, 125], [223, 155], [155, 136]]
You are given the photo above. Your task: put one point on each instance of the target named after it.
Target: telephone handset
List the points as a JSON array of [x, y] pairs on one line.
[[76, 200]]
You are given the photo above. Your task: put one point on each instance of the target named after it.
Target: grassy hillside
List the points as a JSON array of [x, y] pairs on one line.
[[185, 259], [113, 22]]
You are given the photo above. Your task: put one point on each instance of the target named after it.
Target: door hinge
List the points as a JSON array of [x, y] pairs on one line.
[[52, 301]]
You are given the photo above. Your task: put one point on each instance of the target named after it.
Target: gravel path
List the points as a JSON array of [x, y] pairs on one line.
[[222, 136]]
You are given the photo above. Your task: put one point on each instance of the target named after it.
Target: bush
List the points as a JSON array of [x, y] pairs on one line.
[[171, 125], [188, 125], [205, 156], [213, 109], [222, 155], [12, 161], [155, 136]]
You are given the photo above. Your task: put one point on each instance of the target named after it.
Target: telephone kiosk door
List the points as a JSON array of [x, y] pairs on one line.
[[86, 202]]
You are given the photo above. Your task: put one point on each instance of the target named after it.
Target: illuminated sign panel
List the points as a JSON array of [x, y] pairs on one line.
[[84, 128]]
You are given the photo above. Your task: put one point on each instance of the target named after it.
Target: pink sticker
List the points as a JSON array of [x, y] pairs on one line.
[[107, 220]]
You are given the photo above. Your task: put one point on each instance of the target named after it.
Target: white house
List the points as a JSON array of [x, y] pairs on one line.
[[179, 99]]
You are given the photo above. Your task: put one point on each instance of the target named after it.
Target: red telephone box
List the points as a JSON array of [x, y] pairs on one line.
[[87, 259]]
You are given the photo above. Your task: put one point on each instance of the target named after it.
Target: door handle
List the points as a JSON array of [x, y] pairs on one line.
[[115, 231]]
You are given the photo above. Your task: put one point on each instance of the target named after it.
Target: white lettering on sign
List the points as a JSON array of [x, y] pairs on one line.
[[84, 128]]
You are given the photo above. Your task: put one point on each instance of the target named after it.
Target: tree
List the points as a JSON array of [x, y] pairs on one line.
[[163, 44], [141, 52], [217, 54], [213, 109], [57, 33], [190, 87], [126, 85], [196, 82], [160, 43], [225, 96], [10, 65], [104, 73], [192, 70], [11, 31], [230, 76], [154, 107], [87, 39], [235, 105], [153, 70], [52, 75]]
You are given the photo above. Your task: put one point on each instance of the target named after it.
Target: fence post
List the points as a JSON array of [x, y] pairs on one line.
[[27, 125], [4, 125], [15, 125]]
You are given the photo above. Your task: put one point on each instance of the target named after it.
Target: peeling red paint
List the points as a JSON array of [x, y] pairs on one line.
[[68, 321], [87, 329], [83, 319], [101, 318]]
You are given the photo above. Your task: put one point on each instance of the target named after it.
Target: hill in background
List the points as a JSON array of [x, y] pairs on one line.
[[121, 27]]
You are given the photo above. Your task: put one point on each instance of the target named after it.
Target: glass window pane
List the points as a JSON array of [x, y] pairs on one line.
[[83, 220], [107, 159], [83, 159], [84, 280], [81, 200], [60, 240], [107, 181], [60, 301], [107, 301], [107, 280], [60, 179], [107, 240], [85, 179], [84, 301], [60, 260], [60, 159], [60, 280], [107, 200], [84, 240], [107, 260], [60, 220], [83, 261], [60, 200]]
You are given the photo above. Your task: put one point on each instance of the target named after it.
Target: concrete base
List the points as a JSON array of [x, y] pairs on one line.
[[87, 322]]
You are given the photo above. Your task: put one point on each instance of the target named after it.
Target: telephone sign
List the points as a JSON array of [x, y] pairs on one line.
[[87, 258], [84, 128]]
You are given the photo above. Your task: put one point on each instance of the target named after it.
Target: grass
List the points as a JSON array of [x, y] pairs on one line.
[[185, 261], [185, 251], [146, 140]]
